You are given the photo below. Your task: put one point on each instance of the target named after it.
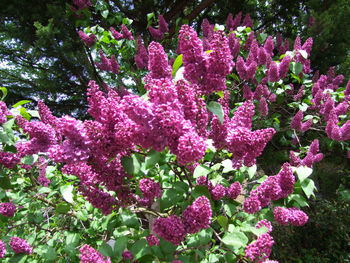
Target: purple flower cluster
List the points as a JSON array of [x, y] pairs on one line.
[[234, 190], [19, 245], [2, 249], [171, 229], [81, 4], [207, 70], [152, 240], [273, 188], [260, 249], [127, 255], [194, 218], [297, 124], [141, 57], [89, 40], [293, 216], [3, 112], [264, 223], [108, 64], [7, 209], [312, 156], [91, 255], [197, 216], [163, 28], [8, 159], [150, 190]]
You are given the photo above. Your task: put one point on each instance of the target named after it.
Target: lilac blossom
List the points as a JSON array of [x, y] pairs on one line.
[[89, 40], [171, 229], [91, 255], [7, 209], [19, 245], [152, 240], [260, 249], [2, 249]]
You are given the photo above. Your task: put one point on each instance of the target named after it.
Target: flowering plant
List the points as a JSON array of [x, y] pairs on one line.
[[167, 168]]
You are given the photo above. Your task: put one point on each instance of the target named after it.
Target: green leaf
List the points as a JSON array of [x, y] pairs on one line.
[[20, 103], [131, 164], [50, 254], [4, 92], [230, 209], [177, 64], [308, 187], [303, 172], [235, 239], [201, 170], [29, 159], [200, 190], [72, 238], [120, 245], [5, 182], [301, 201], [169, 198], [106, 250], [18, 258], [129, 219], [152, 158], [140, 249], [181, 187], [67, 193], [105, 13], [62, 208], [251, 171], [222, 220], [227, 164], [216, 109], [296, 67]]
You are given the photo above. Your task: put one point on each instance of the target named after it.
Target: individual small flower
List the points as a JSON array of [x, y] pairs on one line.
[[127, 255], [19, 245], [7, 209], [234, 190], [91, 255], [2, 249], [197, 216], [218, 192], [260, 249], [171, 229], [152, 240]]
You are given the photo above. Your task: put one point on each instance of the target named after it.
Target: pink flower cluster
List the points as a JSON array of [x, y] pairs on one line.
[[82, 3], [194, 218], [7, 209], [89, 40], [297, 123], [312, 156], [141, 57], [235, 134], [127, 255], [208, 71], [2, 249], [163, 28], [219, 191], [91, 255], [125, 33], [19, 245], [264, 223], [260, 249], [273, 188], [197, 216], [293, 216], [150, 190], [152, 240], [108, 64], [3, 112]]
